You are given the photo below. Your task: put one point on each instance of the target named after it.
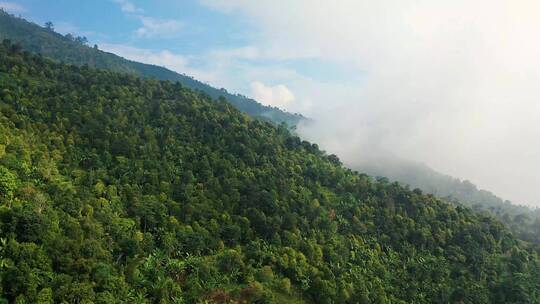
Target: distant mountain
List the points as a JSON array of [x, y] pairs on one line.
[[523, 221], [73, 50]]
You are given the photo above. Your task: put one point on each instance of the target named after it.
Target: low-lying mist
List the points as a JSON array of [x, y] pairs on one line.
[[454, 85]]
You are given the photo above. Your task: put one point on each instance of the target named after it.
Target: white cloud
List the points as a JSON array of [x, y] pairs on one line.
[[128, 7], [175, 62], [12, 7], [261, 52], [161, 58], [153, 27], [246, 52], [277, 96], [450, 83]]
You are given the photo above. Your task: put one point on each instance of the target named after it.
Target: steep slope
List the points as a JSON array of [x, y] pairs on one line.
[[524, 222], [117, 189], [53, 45]]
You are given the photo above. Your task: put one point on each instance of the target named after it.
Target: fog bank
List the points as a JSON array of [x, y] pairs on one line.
[[453, 84]]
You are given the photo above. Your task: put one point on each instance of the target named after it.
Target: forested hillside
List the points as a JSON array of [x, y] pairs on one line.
[[73, 50], [524, 222], [119, 189]]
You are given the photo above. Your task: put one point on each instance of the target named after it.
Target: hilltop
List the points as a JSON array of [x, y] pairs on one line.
[[73, 50]]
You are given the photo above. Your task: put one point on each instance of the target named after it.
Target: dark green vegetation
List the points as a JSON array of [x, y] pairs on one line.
[[72, 50], [524, 222], [117, 189]]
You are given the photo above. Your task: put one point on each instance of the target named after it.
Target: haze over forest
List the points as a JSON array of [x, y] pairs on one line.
[[453, 84]]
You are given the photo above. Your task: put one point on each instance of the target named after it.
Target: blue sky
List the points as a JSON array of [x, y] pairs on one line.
[[104, 20]]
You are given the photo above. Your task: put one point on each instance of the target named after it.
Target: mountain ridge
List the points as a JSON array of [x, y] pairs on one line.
[[73, 50], [522, 220]]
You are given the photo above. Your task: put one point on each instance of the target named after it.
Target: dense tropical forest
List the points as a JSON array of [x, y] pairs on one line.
[[73, 49], [115, 188], [524, 222]]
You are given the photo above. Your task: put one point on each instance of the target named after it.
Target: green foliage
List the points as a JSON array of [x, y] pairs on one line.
[[72, 49], [144, 191], [8, 182]]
